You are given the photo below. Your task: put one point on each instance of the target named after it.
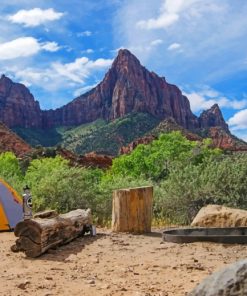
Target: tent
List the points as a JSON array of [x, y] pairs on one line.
[[10, 207]]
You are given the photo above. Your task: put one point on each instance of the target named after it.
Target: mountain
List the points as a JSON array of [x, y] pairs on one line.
[[127, 87], [212, 118], [9, 141], [17, 105], [129, 103]]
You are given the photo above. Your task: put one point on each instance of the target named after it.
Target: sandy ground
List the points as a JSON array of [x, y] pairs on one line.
[[113, 264]]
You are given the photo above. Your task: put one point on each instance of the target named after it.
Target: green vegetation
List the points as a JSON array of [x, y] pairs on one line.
[[186, 175], [36, 137], [100, 136]]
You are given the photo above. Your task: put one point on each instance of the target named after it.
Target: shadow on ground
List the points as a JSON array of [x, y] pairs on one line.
[[62, 253]]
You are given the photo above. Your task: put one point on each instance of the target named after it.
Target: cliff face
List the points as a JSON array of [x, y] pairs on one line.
[[127, 87], [212, 117], [17, 105]]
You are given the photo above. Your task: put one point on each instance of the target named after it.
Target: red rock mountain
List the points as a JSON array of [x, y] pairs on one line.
[[17, 105], [127, 87], [212, 117]]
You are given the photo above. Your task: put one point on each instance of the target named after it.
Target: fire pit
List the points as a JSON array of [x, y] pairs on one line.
[[230, 235]]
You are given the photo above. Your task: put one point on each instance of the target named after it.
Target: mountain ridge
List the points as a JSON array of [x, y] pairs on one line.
[[127, 87]]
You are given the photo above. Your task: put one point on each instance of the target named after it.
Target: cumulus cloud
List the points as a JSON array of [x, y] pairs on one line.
[[50, 46], [24, 47], [174, 46], [169, 14], [35, 17], [239, 120], [207, 97], [60, 75]]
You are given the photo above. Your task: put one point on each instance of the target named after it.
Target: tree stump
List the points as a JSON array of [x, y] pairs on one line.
[[38, 235], [132, 210]]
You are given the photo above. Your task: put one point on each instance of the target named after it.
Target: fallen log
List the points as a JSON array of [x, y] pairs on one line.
[[36, 236]]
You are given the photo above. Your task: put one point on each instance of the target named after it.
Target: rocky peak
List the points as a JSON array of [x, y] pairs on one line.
[[17, 105], [126, 88], [125, 61], [212, 118]]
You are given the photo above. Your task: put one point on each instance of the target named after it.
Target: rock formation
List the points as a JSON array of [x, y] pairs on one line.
[[92, 159], [127, 87], [225, 140], [231, 280], [220, 216], [211, 118], [17, 105]]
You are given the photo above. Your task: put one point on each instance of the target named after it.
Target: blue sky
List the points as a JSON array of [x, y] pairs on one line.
[[61, 49]]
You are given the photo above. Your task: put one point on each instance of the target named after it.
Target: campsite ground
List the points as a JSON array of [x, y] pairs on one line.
[[113, 264]]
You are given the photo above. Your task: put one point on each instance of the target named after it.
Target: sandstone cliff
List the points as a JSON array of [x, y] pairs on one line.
[[17, 105], [127, 87]]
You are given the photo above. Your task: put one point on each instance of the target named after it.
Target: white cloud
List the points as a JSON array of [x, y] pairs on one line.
[[207, 97], [59, 76], [169, 14], [83, 90], [50, 46], [239, 120], [156, 42], [35, 17], [238, 124], [84, 34], [89, 50], [20, 47], [162, 21], [24, 47], [174, 46], [241, 135]]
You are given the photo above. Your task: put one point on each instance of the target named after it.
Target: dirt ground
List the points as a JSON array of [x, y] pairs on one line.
[[113, 264]]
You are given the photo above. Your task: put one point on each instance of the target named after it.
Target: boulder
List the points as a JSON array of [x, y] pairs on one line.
[[220, 216], [231, 280]]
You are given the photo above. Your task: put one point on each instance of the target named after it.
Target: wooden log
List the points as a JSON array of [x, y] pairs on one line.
[[36, 236], [132, 210]]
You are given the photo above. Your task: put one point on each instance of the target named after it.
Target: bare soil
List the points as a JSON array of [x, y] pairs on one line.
[[113, 264]]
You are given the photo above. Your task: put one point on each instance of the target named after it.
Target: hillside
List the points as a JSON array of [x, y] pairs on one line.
[[9, 141], [99, 136]]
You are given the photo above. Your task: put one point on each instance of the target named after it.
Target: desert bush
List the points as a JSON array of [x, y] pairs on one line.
[[219, 181], [56, 185], [10, 170]]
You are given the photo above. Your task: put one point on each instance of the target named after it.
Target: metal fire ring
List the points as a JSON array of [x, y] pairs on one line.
[[230, 235]]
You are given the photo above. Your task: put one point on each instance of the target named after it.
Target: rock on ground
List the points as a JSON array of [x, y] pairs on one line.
[[231, 280], [220, 216]]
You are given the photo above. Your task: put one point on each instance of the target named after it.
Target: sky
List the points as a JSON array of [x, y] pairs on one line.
[[62, 48]]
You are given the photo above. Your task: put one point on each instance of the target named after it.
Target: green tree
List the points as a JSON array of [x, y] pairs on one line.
[[56, 185], [156, 159], [10, 170]]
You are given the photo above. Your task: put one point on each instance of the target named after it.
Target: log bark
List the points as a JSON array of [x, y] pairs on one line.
[[132, 210], [38, 235]]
